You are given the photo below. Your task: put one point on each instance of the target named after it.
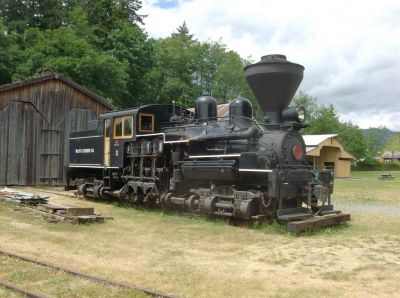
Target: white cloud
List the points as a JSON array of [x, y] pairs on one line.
[[351, 49]]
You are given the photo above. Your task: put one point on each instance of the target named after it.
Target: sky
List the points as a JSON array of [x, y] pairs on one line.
[[350, 49]]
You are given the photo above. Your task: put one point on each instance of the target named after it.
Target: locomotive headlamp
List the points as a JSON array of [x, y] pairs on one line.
[[301, 114], [296, 114]]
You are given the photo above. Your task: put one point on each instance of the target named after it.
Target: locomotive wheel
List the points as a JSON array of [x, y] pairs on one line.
[[128, 195], [192, 202], [131, 196], [150, 199], [139, 198]]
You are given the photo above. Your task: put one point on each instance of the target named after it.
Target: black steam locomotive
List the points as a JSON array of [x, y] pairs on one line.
[[236, 167]]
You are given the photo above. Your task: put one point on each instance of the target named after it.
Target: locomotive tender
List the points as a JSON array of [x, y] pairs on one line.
[[236, 167]]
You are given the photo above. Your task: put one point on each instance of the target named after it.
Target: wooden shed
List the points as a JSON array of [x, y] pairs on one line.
[[36, 117], [325, 151]]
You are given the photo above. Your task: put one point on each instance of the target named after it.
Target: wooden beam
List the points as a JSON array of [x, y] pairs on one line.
[[317, 222]]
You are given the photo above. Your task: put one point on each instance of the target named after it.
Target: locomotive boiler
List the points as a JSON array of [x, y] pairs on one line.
[[234, 167]]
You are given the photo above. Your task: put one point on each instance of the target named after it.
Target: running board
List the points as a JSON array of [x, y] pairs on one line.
[[317, 222]]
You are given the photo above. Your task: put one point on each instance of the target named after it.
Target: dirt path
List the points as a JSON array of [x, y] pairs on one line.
[[372, 208]]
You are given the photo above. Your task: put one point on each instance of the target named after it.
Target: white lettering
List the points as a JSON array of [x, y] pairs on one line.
[[84, 150]]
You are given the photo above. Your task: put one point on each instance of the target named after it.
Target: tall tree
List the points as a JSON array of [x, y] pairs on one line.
[[352, 139], [174, 64], [62, 50], [308, 102], [129, 44], [325, 120], [43, 14], [6, 60]]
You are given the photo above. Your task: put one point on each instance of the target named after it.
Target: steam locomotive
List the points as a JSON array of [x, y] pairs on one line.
[[235, 167]]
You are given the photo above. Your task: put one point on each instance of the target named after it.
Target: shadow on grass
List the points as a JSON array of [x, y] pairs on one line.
[[272, 227]]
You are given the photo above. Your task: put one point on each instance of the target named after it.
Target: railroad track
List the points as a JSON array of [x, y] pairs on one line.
[[21, 290], [97, 279]]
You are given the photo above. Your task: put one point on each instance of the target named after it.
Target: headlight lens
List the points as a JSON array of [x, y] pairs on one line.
[[301, 114]]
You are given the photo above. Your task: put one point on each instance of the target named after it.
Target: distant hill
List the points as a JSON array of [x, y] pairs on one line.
[[383, 135], [393, 144]]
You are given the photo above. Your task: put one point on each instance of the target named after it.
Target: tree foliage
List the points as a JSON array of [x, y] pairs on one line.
[[185, 68], [100, 44], [323, 119], [393, 144], [96, 43]]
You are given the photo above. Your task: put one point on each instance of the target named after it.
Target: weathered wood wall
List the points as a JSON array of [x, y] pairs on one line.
[[35, 122]]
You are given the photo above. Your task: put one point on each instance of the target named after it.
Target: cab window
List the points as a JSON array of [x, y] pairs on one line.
[[118, 127], [146, 122], [123, 127], [127, 126]]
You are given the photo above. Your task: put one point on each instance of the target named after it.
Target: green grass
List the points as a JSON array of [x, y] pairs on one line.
[[365, 187]]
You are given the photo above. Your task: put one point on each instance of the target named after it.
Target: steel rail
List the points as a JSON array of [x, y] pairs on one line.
[[21, 290], [97, 279]]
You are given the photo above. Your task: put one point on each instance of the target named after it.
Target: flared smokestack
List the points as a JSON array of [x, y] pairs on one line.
[[274, 81]]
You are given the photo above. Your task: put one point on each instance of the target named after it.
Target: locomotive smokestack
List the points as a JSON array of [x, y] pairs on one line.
[[274, 81]]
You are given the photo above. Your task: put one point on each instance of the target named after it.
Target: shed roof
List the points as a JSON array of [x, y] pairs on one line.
[[56, 76], [315, 140], [222, 110], [314, 144], [391, 154]]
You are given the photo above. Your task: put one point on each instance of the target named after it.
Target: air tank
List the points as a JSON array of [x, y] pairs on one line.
[[274, 81], [205, 108]]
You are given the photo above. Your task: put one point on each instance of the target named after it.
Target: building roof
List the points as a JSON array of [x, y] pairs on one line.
[[56, 76], [222, 110], [314, 144], [391, 154], [313, 141]]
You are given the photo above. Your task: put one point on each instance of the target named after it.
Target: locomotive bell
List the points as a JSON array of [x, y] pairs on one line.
[[274, 81]]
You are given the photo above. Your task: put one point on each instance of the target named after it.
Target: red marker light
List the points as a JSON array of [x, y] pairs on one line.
[[297, 152]]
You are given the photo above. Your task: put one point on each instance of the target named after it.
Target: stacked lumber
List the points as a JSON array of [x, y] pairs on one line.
[[14, 196], [71, 213], [40, 204]]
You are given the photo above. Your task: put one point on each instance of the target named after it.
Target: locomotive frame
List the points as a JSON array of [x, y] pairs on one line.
[[236, 167]]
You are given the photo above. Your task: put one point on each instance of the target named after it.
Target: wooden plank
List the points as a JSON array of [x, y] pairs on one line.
[[89, 218], [69, 210], [80, 211], [51, 208], [317, 222]]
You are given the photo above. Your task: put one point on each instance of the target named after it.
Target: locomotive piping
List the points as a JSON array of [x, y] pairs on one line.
[[250, 132], [255, 170], [214, 156], [163, 134], [89, 137]]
